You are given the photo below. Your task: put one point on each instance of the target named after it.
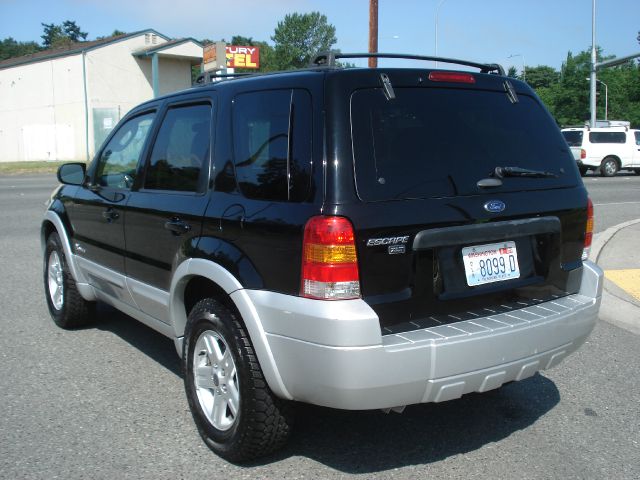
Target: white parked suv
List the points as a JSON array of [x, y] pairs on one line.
[[608, 148]]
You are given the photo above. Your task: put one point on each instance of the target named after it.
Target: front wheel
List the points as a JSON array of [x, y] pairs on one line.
[[609, 167], [236, 413], [67, 307]]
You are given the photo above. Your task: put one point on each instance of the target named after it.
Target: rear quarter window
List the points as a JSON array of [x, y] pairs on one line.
[[573, 137], [272, 144]]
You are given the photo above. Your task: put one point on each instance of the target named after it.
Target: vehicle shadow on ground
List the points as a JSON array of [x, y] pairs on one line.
[[372, 441], [153, 344]]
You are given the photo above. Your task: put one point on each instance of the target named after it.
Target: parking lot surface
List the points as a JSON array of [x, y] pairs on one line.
[[108, 402]]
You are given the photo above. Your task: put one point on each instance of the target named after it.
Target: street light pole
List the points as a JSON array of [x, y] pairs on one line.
[[592, 96], [606, 98], [524, 65], [436, 28]]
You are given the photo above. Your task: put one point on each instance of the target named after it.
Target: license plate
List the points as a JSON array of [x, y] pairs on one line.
[[494, 262]]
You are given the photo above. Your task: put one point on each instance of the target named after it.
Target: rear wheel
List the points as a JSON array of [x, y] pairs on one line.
[[67, 307], [236, 413], [609, 167], [583, 171], [637, 170]]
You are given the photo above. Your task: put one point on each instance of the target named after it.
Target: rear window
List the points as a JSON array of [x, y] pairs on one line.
[[573, 137], [434, 142], [607, 137]]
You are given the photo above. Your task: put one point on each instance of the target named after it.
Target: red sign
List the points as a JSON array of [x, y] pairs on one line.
[[243, 57]]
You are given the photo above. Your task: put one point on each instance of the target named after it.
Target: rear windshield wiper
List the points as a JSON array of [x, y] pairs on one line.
[[502, 172]]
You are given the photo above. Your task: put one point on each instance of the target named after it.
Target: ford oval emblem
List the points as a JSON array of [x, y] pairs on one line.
[[494, 206]]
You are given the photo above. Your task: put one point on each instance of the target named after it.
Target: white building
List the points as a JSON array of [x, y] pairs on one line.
[[61, 104]]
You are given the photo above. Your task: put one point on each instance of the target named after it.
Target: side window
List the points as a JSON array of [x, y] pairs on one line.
[[607, 137], [637, 134], [181, 150], [119, 159], [272, 144]]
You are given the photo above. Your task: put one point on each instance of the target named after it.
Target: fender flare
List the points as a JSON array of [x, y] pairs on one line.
[[197, 267], [83, 286]]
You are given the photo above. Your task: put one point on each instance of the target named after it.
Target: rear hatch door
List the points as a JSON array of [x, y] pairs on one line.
[[436, 244]]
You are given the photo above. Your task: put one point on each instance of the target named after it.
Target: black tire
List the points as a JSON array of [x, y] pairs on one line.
[[263, 422], [609, 167], [583, 171], [637, 171], [72, 310]]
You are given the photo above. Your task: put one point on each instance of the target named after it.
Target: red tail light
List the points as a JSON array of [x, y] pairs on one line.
[[329, 260], [583, 153], [588, 234], [456, 77]]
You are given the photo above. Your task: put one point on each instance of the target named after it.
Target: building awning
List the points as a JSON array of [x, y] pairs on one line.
[[179, 49]]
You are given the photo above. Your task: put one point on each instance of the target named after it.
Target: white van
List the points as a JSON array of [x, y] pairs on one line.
[[607, 148]]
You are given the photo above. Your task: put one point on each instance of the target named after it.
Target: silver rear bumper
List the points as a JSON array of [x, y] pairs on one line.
[[336, 357]]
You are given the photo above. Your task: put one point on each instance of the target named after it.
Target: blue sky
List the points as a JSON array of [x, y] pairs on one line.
[[541, 31]]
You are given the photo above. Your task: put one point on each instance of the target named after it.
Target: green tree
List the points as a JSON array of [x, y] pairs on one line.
[[52, 34], [64, 34], [300, 36], [10, 48], [72, 31], [115, 33], [566, 93], [542, 76], [623, 85], [512, 72]]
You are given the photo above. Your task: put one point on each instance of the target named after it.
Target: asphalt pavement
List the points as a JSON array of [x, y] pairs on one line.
[[107, 402]]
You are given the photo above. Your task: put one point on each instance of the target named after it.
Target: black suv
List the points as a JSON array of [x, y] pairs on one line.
[[348, 237]]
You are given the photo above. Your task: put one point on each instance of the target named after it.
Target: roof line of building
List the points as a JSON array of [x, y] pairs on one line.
[[163, 46], [74, 49]]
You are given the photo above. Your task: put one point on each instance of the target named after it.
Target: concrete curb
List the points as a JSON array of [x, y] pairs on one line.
[[601, 239], [613, 309]]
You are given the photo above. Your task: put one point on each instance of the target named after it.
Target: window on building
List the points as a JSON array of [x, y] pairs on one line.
[[180, 155]]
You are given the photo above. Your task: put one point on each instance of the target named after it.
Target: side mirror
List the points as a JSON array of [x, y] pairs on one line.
[[72, 173]]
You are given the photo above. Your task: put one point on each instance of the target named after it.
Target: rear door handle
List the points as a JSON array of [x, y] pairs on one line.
[[177, 226], [110, 215]]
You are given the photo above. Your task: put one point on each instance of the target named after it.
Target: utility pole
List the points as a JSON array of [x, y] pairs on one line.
[[373, 32]]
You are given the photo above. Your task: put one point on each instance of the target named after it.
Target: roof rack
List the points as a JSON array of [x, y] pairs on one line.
[[214, 76], [328, 59], [609, 124]]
